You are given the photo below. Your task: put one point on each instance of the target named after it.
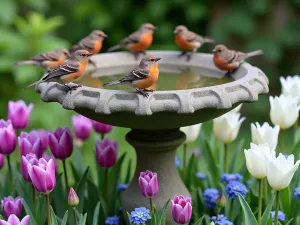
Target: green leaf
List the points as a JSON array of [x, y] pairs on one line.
[[82, 220], [266, 214], [290, 221], [29, 212], [96, 214], [65, 219], [248, 214], [80, 189], [53, 217], [236, 159], [162, 216], [199, 222], [285, 199]]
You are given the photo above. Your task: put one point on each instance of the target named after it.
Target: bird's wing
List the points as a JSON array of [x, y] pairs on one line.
[[132, 38], [234, 56], [191, 37], [85, 43], [137, 74], [49, 56], [64, 69]]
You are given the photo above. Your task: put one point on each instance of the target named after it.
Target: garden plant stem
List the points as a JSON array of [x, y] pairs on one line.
[[281, 141], [225, 157], [277, 208], [260, 186], [66, 175], [33, 193], [231, 209], [102, 136], [151, 205], [106, 184], [48, 208], [266, 196], [10, 172], [74, 214], [295, 128], [184, 156]]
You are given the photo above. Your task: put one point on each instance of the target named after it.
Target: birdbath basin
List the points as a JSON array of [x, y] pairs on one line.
[[155, 121]]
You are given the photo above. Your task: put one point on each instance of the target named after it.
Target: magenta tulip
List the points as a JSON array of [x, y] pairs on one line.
[[31, 143], [73, 199], [14, 220], [148, 183], [106, 153], [82, 127], [43, 134], [11, 206], [1, 161], [101, 128], [181, 209], [48, 157], [8, 138], [32, 160], [43, 175], [18, 113], [61, 143]]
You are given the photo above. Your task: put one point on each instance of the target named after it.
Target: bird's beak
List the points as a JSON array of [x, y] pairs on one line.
[[214, 51], [157, 59], [90, 54], [105, 35]]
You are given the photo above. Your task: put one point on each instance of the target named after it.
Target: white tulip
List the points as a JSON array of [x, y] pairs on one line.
[[238, 108], [290, 86], [226, 127], [256, 159], [280, 171], [265, 134], [284, 111], [191, 132]]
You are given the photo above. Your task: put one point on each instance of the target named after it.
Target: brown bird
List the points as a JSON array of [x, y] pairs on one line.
[[189, 41], [48, 60], [91, 43], [69, 71], [138, 41], [230, 60]]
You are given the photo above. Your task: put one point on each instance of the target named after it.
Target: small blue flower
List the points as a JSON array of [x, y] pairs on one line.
[[114, 220], [297, 193], [227, 177], [201, 176], [140, 215], [281, 216], [122, 187], [222, 220], [210, 196], [177, 161], [234, 187]]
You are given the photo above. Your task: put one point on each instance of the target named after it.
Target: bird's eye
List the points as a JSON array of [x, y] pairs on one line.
[[152, 60], [220, 50], [83, 54]]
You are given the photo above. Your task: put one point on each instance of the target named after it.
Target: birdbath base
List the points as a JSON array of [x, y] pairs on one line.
[[155, 150]]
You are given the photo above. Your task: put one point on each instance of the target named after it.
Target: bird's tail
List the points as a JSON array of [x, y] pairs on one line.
[[114, 48], [208, 40], [27, 62], [35, 83], [112, 83], [255, 53]]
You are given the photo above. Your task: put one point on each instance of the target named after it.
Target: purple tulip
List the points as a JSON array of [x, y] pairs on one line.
[[73, 199], [31, 143], [14, 220], [181, 209], [11, 206], [82, 127], [8, 138], [43, 134], [18, 113], [48, 157], [106, 153], [1, 161], [148, 183], [43, 175], [61, 143], [101, 128], [32, 160]]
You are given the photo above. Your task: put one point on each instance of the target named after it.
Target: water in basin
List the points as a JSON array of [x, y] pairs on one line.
[[170, 78]]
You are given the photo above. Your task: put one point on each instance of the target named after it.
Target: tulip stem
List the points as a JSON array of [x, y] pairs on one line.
[[102, 137], [9, 172], [66, 175], [33, 193], [151, 205], [225, 157], [75, 217], [281, 141], [266, 195], [106, 185], [48, 208], [231, 209], [184, 156], [277, 208], [260, 186]]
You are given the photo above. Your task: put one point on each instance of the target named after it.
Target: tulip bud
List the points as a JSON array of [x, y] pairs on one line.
[[191, 132], [101, 128], [82, 127], [73, 199], [14, 220], [290, 86], [181, 209], [61, 143], [11, 206], [8, 139], [30, 143], [265, 134], [18, 113], [148, 183], [106, 153], [221, 201], [32, 160], [1, 161]]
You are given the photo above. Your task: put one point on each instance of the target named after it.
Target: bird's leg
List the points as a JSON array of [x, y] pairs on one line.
[[148, 90], [143, 52], [146, 95], [93, 63], [189, 56], [182, 54], [136, 55], [228, 73], [72, 86]]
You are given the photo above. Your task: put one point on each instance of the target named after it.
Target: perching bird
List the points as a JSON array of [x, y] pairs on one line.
[[188, 40], [91, 43], [69, 71], [138, 41], [48, 60], [143, 77], [230, 60]]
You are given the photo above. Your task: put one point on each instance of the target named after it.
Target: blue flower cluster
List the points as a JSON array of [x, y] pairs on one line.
[[210, 196], [221, 220], [297, 193], [227, 177], [177, 161], [114, 220], [234, 187], [281, 216], [139, 215], [122, 187], [201, 176]]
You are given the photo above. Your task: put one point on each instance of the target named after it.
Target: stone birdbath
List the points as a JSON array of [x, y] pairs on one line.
[[155, 121]]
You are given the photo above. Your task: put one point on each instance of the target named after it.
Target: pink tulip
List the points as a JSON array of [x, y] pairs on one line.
[[82, 127], [8, 138], [101, 128], [61, 143], [148, 183], [43, 175], [106, 153], [73, 199], [43, 134], [48, 157], [18, 113], [14, 220], [32, 160], [11, 206], [1, 161], [181, 209], [30, 143]]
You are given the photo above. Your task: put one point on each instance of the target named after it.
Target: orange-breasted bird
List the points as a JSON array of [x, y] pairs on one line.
[[138, 41], [91, 43], [48, 60], [143, 77], [69, 71], [188, 40], [230, 60]]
